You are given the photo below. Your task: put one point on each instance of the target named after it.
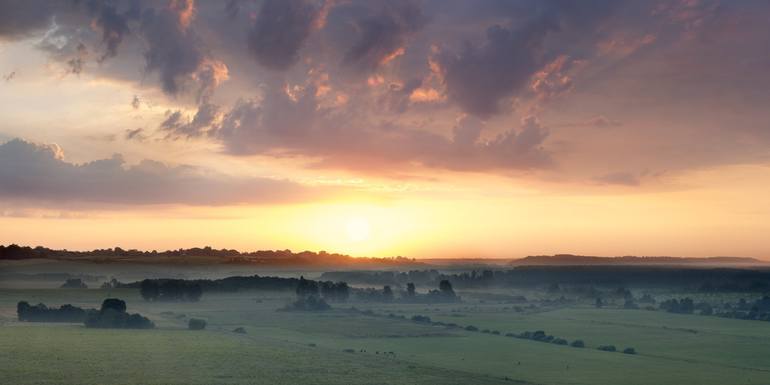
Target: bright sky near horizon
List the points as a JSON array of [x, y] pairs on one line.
[[422, 128]]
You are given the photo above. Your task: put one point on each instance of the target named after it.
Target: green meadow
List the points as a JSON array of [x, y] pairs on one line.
[[366, 346]]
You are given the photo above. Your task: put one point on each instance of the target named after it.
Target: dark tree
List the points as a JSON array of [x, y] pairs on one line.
[[410, 289], [306, 288], [115, 304], [150, 290], [445, 287], [387, 294]]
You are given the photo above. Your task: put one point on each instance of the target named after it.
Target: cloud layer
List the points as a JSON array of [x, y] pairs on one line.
[[30, 171], [399, 86]]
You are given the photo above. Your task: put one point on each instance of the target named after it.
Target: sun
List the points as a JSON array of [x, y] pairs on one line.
[[358, 229]]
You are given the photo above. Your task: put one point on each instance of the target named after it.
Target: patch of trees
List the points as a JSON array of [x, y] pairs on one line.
[[308, 298], [308, 303], [329, 291], [682, 306], [262, 257], [607, 348], [332, 291], [567, 278], [113, 315], [42, 313], [335, 291], [74, 283], [758, 310], [170, 290]]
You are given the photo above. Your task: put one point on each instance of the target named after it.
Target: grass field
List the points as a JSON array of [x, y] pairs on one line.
[[291, 347]]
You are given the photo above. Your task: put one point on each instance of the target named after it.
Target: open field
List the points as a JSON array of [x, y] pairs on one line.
[[291, 347]]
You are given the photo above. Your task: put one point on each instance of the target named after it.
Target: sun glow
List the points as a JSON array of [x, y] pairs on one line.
[[358, 229]]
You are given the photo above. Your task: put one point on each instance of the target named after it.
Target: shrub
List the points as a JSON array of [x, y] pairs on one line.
[[578, 344], [239, 330], [471, 328], [42, 313], [629, 351], [559, 341], [607, 348], [421, 318], [113, 315], [196, 324]]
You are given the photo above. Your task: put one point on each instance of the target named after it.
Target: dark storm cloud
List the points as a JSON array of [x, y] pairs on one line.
[[20, 18], [481, 76], [174, 50], [36, 172], [280, 30], [282, 125], [384, 35], [112, 23]]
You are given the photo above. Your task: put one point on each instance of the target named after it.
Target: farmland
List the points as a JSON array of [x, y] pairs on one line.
[[372, 344]]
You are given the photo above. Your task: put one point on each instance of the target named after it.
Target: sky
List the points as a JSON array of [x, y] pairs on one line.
[[419, 128]]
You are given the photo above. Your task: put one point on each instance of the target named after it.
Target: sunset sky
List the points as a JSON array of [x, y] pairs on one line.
[[433, 128]]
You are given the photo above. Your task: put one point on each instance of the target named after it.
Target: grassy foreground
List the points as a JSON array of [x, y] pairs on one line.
[[310, 348]]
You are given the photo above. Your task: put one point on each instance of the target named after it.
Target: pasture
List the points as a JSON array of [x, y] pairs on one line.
[[365, 346]]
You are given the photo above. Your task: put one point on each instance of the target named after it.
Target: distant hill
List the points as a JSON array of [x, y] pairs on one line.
[[569, 259], [198, 255]]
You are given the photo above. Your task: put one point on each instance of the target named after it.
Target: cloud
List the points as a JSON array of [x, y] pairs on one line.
[[279, 31], [618, 178], [294, 124], [112, 23], [31, 171], [383, 36], [135, 134], [480, 76], [21, 18], [174, 51], [178, 126]]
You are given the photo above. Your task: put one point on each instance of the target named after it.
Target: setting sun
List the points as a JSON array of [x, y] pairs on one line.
[[358, 229]]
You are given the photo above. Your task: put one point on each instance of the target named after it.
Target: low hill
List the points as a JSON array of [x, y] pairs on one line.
[[570, 259]]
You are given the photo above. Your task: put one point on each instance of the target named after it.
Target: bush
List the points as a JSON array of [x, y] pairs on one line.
[[471, 328], [41, 313], [196, 324], [421, 318], [559, 341], [578, 344], [239, 330], [608, 348], [113, 315], [629, 351]]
